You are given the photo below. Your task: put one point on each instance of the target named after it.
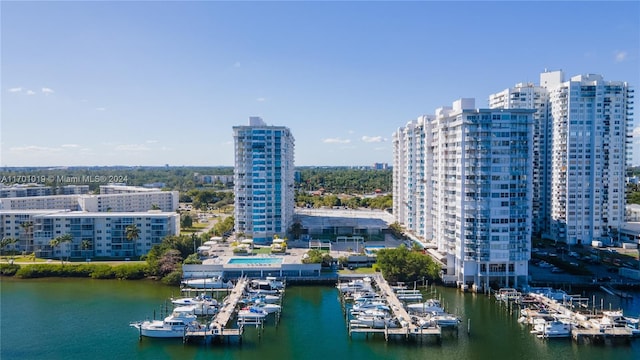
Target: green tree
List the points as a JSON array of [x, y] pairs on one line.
[[315, 256], [27, 227], [63, 239], [401, 264], [54, 243], [296, 230], [6, 242], [132, 234], [223, 226], [86, 245], [186, 221]]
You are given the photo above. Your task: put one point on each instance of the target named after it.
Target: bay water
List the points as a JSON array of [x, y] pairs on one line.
[[89, 319]]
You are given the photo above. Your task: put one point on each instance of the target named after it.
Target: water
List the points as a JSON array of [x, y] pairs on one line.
[[256, 261], [88, 319]]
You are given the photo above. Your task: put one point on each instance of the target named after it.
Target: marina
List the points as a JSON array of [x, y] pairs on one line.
[[389, 316], [312, 326], [556, 314], [249, 302]]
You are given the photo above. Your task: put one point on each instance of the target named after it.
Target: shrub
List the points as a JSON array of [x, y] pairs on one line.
[[173, 278], [9, 269], [130, 272], [103, 272]]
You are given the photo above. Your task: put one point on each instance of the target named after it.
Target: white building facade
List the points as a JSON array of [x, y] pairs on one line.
[[93, 234], [476, 192], [112, 202], [263, 180], [582, 148]]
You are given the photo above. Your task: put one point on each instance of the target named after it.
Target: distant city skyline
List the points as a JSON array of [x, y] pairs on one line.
[[155, 83]]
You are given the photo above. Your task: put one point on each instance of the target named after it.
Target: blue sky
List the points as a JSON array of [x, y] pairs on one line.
[[154, 83]]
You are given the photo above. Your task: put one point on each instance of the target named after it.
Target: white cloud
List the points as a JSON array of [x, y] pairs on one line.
[[621, 56], [70, 146], [33, 149], [236, 64], [261, 99], [371, 139], [46, 90], [350, 132], [335, 141], [31, 92], [101, 109], [132, 147], [15, 89]]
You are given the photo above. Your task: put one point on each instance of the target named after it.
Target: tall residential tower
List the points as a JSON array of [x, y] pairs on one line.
[[582, 147], [466, 188], [263, 180]]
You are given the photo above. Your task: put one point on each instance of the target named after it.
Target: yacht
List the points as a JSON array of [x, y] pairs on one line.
[[444, 319], [428, 306], [356, 285], [555, 329], [251, 314], [268, 284], [268, 308], [173, 326], [215, 282], [374, 321], [253, 298], [203, 305]]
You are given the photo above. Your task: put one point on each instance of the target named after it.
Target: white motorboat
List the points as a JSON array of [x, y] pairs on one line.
[[269, 308], [423, 322], [173, 326], [371, 304], [253, 298], [215, 282], [429, 306], [251, 314], [202, 305], [356, 285], [366, 295], [410, 297], [269, 283], [444, 319], [555, 329], [374, 321]]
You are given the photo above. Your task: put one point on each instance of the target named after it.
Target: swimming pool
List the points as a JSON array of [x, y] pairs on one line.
[[255, 261]]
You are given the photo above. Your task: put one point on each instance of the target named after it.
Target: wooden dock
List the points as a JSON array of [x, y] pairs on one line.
[[217, 327], [584, 331], [407, 328]]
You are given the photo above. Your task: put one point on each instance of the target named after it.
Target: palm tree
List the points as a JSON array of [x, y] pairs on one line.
[[27, 227], [66, 238], [132, 233], [54, 243], [86, 245], [6, 242]]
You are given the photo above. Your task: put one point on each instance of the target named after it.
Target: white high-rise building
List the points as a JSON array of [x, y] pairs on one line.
[[263, 180], [582, 147], [94, 234], [409, 185], [474, 184]]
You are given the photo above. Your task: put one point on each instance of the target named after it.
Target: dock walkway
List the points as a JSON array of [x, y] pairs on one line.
[[407, 328], [221, 319]]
